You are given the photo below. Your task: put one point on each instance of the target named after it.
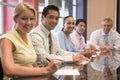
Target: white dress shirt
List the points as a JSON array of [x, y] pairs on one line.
[[66, 43]]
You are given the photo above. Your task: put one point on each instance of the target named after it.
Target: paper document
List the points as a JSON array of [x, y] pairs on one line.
[[67, 72]]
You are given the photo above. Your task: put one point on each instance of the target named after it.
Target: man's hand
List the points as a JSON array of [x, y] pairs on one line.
[[88, 53], [110, 48], [106, 50], [92, 47]]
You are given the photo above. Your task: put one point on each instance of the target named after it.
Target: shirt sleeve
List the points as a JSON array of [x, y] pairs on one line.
[[94, 39], [116, 42]]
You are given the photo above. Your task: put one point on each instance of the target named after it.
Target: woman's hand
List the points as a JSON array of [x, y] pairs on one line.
[[53, 66], [88, 53], [80, 58]]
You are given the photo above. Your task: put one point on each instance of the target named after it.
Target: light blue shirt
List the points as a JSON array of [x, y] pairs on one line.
[[66, 43]]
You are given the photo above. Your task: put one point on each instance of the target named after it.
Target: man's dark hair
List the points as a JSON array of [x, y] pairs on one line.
[[50, 7], [80, 20]]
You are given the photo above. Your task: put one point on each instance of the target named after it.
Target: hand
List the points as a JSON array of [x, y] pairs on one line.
[[79, 58], [92, 47], [53, 66], [103, 47], [106, 50], [110, 48], [88, 53]]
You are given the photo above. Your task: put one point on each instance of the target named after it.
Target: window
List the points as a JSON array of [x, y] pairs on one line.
[[63, 7]]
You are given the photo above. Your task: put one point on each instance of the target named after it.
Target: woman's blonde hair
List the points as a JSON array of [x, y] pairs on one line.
[[22, 7]]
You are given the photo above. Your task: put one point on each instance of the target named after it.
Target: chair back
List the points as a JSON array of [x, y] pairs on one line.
[[1, 71]]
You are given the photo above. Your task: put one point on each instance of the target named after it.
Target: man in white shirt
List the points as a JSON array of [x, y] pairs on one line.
[[77, 35], [97, 39]]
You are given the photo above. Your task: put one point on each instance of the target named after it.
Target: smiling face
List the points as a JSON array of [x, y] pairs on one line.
[[50, 20], [107, 25], [69, 25], [80, 28], [25, 21]]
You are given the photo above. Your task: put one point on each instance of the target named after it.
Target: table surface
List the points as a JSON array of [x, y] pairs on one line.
[[113, 61], [82, 75], [80, 67]]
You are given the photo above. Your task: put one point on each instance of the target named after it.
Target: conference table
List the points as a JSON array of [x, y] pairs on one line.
[[97, 64], [113, 62], [69, 66]]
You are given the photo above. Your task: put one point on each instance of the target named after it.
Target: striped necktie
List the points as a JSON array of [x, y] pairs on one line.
[[50, 43]]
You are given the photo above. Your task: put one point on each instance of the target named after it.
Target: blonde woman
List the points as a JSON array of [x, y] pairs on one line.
[[18, 56]]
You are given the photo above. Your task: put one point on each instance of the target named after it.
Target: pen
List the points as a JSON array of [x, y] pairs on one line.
[[48, 60]]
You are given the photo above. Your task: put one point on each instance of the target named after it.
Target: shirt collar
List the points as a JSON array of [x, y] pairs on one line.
[[78, 36], [44, 29]]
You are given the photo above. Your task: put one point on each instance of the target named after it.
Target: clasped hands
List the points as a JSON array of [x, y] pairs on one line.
[[106, 50]]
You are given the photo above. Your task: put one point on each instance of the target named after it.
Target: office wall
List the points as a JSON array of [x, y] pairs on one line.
[[97, 10]]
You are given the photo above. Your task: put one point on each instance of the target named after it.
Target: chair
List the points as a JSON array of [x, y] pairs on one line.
[[1, 71]]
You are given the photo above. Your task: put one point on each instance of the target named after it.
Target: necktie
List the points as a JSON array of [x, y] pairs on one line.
[[81, 43], [106, 70], [106, 62], [106, 39], [106, 43], [50, 42]]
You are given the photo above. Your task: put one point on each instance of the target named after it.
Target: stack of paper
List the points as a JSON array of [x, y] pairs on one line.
[[67, 72]]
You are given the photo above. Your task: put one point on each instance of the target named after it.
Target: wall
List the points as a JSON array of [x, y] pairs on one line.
[[97, 10]]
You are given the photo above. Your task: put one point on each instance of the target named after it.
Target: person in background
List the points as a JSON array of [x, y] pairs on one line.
[[97, 37], [63, 37], [77, 35], [112, 43], [45, 41], [67, 34], [18, 56]]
